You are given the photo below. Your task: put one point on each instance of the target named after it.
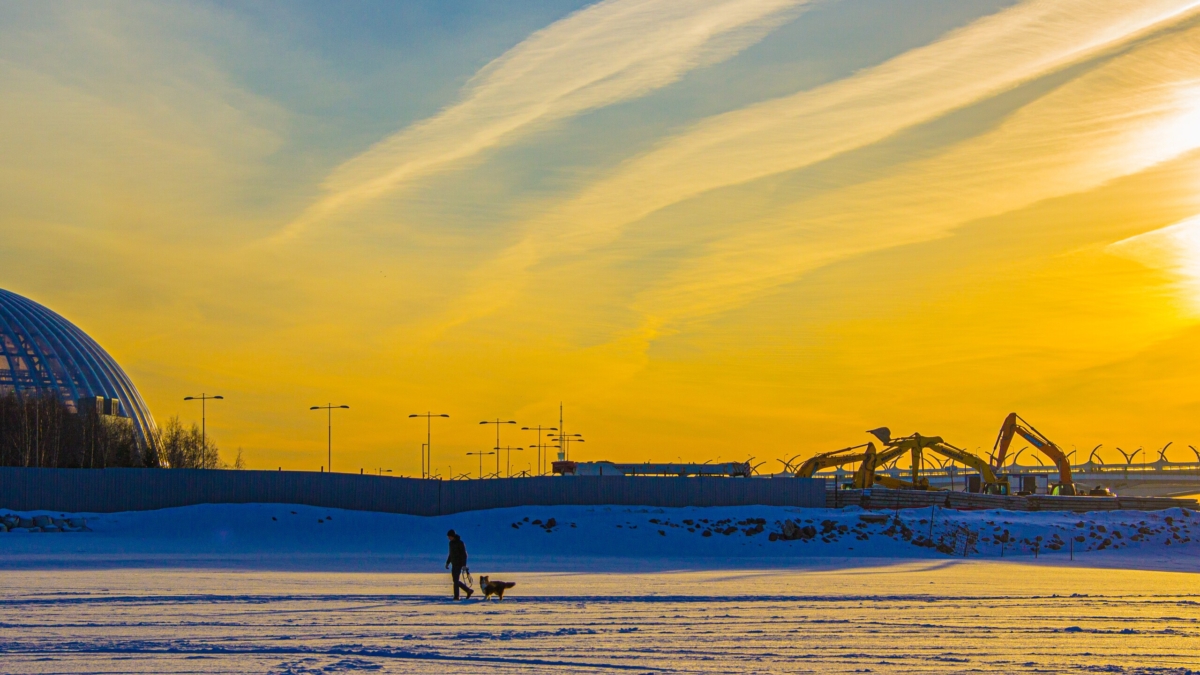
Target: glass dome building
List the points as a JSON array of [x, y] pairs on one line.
[[43, 353]]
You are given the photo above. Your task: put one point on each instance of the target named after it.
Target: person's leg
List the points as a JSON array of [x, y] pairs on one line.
[[459, 584], [454, 573]]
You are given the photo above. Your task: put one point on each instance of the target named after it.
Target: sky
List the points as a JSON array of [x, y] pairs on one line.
[[715, 230]]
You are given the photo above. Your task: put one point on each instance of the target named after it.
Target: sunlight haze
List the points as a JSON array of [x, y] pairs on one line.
[[715, 230]]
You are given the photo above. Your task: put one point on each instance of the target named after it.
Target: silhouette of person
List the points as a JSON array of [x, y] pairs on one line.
[[456, 561]]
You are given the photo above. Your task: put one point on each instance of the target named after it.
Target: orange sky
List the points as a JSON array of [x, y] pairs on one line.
[[748, 229]]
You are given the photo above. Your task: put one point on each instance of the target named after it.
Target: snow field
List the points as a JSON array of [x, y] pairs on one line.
[[267, 588], [570, 538]]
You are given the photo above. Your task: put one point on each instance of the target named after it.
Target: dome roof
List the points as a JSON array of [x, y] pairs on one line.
[[43, 353]]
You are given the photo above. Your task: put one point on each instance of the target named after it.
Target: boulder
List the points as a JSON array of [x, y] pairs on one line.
[[41, 521], [793, 531], [3, 527], [25, 522], [790, 529]]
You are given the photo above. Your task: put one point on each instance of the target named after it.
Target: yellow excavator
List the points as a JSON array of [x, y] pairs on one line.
[[869, 459], [1015, 426], [917, 445], [863, 477]]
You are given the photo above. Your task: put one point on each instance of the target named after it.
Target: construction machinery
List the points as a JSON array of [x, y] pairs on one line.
[[916, 445], [1014, 426], [869, 459], [863, 476]]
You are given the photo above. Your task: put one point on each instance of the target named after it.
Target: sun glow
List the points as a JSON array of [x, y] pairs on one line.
[[1175, 249]]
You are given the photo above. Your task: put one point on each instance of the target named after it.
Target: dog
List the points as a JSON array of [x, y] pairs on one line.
[[496, 588]]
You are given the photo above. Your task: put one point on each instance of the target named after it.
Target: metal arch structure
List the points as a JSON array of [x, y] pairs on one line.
[[43, 353]]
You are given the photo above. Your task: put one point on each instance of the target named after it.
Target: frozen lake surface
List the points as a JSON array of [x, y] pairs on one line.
[[289, 589], [913, 617]]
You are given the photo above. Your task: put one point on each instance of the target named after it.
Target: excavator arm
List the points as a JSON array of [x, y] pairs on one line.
[[1013, 426], [834, 458], [967, 459], [869, 459], [917, 444]]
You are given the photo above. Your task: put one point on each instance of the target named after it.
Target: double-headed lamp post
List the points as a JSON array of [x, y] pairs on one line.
[[565, 440], [204, 399], [427, 465], [329, 408], [540, 430], [508, 460], [497, 422], [481, 455]]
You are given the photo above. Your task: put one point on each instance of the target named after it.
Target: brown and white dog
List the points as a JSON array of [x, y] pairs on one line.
[[496, 588]]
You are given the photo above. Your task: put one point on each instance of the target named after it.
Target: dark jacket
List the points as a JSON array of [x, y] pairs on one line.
[[458, 553]]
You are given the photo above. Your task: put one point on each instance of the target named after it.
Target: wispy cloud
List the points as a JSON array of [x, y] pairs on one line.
[[987, 57], [1132, 113], [982, 59], [610, 52]]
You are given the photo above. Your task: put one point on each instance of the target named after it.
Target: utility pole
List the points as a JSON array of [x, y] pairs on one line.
[[427, 460], [328, 407]]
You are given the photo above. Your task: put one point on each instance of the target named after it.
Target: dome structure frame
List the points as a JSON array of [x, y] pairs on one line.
[[43, 353]]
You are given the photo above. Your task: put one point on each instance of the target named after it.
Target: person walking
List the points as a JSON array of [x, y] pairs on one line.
[[456, 561]]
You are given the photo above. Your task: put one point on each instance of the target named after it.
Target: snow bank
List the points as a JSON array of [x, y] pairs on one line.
[[578, 538]]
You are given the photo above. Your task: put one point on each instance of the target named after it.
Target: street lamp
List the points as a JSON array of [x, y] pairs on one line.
[[204, 399], [539, 429], [329, 407], [508, 460], [481, 455], [425, 472], [565, 441], [497, 422]]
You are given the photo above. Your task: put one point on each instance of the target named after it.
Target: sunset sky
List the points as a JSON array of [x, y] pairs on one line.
[[712, 229]]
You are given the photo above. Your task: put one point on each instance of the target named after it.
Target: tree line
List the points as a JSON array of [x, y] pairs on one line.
[[43, 431]]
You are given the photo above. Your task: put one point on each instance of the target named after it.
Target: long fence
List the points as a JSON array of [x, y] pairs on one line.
[[111, 490]]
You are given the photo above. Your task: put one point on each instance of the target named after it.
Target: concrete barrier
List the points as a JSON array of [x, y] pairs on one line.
[[111, 490]]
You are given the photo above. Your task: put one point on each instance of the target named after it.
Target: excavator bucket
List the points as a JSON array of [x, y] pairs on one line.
[[884, 435]]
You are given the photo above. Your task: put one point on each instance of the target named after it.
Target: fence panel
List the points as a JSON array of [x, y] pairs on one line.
[[111, 490]]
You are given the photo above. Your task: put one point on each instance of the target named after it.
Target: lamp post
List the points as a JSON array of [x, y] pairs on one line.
[[329, 407], [481, 455], [508, 460], [204, 399], [539, 429], [427, 466], [497, 422], [565, 441]]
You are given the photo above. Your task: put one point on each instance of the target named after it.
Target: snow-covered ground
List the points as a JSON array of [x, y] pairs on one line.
[[578, 538], [284, 589]]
